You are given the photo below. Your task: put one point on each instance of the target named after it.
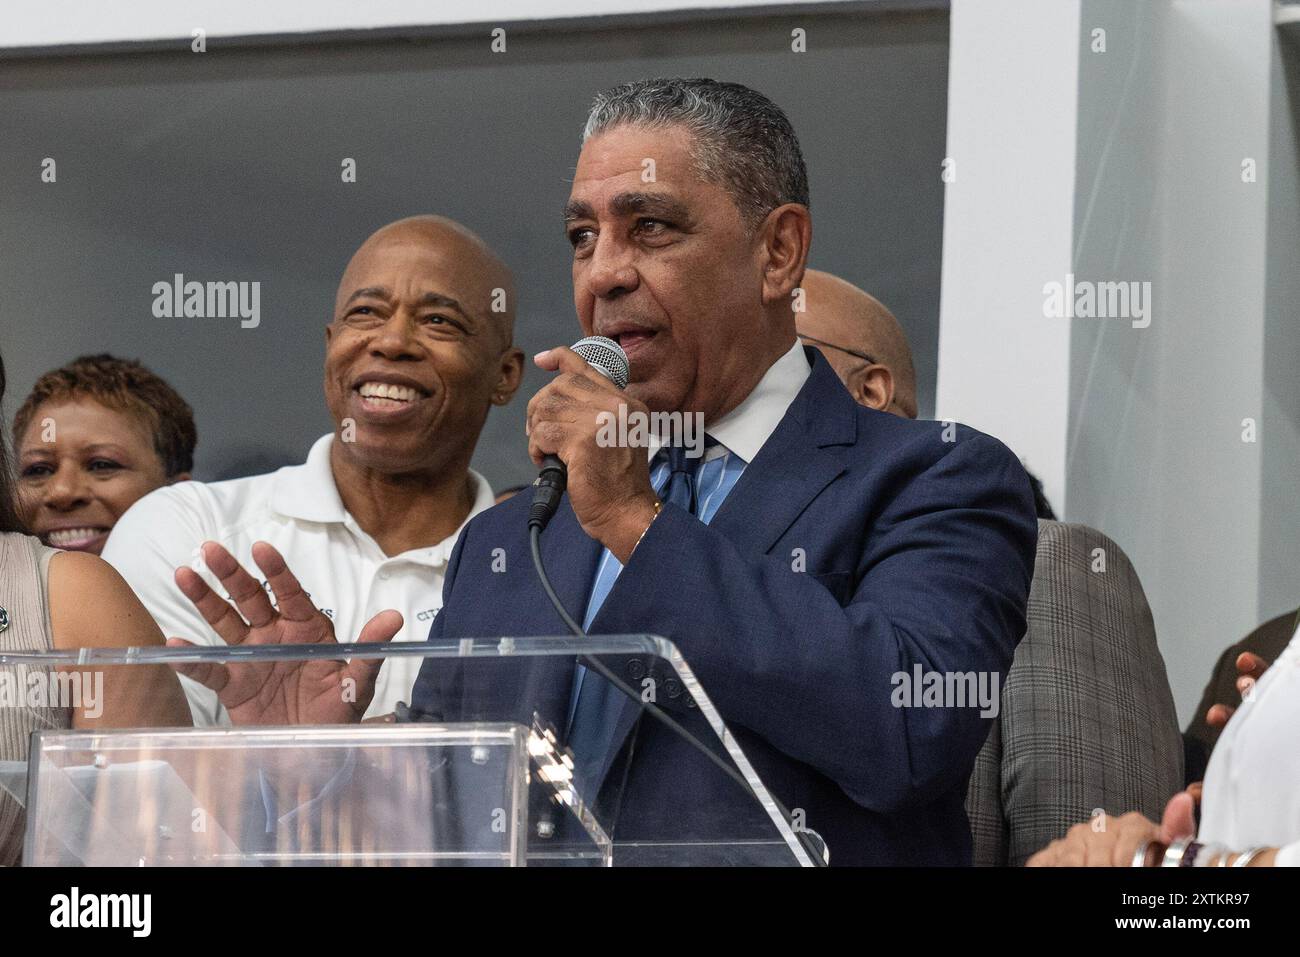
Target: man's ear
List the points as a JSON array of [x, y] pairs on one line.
[[874, 388], [509, 377], [786, 235]]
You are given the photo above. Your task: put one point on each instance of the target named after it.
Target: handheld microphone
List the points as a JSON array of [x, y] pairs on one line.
[[608, 358]]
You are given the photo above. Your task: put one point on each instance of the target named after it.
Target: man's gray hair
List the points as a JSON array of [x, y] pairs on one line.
[[742, 140]]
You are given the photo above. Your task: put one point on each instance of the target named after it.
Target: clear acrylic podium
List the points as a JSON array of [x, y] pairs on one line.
[[489, 779]]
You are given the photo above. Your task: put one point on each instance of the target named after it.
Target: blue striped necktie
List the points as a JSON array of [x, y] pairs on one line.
[[682, 471]]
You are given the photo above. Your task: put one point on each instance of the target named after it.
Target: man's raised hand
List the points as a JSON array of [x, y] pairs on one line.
[[609, 487], [319, 691]]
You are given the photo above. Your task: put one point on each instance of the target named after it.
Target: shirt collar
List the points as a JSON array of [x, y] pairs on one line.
[[307, 492], [746, 428]]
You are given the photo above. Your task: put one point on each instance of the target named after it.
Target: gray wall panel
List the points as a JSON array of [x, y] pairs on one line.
[[225, 166]]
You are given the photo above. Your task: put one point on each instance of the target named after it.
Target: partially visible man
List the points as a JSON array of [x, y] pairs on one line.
[[419, 349], [1235, 673], [1250, 797], [862, 341]]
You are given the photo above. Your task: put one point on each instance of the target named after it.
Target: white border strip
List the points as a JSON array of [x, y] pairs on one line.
[[54, 24]]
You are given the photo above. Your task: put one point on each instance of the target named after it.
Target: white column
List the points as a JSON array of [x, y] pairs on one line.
[[1008, 225], [1149, 143]]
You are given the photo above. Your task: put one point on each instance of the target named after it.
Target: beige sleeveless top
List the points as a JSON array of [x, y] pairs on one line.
[[24, 581]]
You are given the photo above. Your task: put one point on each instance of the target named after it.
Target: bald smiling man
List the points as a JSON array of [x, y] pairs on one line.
[[418, 350], [862, 340]]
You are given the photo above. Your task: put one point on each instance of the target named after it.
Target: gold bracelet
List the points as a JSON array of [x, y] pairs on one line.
[[659, 507]]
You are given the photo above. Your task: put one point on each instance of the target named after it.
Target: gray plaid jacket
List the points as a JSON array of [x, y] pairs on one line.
[[1087, 719]]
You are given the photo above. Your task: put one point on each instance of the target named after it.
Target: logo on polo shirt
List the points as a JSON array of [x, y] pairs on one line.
[[266, 587]]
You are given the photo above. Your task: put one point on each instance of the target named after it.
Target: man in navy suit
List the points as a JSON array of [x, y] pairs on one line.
[[815, 561], [823, 549]]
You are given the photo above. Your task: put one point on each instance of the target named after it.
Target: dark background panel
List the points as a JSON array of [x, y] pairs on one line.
[[226, 166]]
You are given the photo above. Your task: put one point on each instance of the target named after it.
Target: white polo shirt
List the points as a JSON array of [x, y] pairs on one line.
[[298, 510]]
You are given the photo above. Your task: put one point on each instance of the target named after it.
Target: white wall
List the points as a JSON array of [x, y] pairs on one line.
[[1137, 176], [1280, 426], [1157, 457], [1008, 226]]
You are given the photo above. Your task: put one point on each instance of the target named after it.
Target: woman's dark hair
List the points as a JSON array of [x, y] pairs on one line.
[[8, 502]]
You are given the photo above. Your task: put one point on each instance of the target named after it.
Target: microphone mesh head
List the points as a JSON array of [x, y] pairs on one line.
[[605, 356]]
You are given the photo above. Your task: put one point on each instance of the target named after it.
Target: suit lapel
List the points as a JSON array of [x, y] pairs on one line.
[[541, 684], [570, 557], [798, 461]]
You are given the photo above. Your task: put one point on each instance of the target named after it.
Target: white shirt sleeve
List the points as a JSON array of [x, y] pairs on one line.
[[157, 535], [1252, 785]]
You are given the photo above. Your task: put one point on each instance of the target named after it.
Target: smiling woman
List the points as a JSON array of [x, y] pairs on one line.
[[54, 601], [93, 437]]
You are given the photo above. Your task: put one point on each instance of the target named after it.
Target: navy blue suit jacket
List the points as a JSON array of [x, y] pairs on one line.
[[856, 545]]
